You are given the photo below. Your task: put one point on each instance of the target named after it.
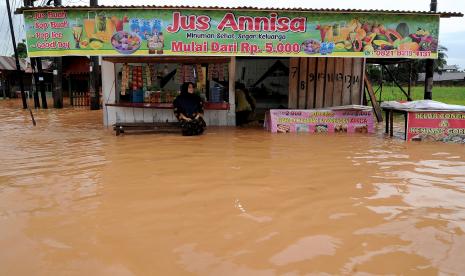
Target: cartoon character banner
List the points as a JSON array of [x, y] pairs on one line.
[[111, 32], [436, 126], [320, 121]]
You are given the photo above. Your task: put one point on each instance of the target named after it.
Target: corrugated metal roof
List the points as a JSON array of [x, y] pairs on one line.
[[446, 76], [450, 67], [168, 7], [9, 63]]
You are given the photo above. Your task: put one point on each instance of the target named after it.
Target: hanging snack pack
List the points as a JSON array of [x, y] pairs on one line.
[[125, 79], [225, 71], [199, 72], [220, 69], [148, 76], [137, 84], [179, 74], [189, 74]]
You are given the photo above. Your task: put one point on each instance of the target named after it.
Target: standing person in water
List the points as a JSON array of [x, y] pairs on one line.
[[245, 105], [188, 108]]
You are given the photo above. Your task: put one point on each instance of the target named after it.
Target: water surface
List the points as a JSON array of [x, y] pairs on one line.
[[76, 200]]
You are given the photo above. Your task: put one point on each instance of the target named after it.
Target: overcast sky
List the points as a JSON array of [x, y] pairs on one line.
[[452, 34]]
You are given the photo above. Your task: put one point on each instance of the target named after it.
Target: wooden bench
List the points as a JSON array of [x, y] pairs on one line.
[[167, 127]]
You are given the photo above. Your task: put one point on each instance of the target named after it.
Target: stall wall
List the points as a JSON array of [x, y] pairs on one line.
[[325, 82], [116, 114], [108, 91]]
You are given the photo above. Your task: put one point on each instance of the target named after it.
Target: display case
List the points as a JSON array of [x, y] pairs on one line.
[[159, 83]]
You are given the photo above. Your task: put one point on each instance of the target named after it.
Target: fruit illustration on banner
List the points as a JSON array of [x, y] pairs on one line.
[[95, 43], [369, 36], [84, 43], [126, 43], [311, 46], [101, 22], [119, 23]]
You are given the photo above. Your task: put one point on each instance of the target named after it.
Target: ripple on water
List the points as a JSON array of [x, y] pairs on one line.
[[73, 197]]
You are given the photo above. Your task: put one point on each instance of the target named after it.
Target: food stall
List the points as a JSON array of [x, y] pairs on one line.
[[427, 120], [147, 51], [143, 89]]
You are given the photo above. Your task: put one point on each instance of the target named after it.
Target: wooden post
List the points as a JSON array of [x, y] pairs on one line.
[[293, 82], [406, 125], [302, 101], [2, 84], [35, 76], [43, 96], [93, 84], [232, 92], [356, 81], [381, 86], [362, 80], [386, 115], [70, 92], [409, 91], [94, 76], [347, 84], [320, 82], [429, 74], [57, 81], [391, 123], [329, 82], [374, 103], [311, 81], [57, 75], [338, 82]]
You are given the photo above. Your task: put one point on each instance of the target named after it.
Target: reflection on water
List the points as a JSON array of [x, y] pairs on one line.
[[76, 200]]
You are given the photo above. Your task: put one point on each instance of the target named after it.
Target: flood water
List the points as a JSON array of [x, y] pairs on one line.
[[76, 200]]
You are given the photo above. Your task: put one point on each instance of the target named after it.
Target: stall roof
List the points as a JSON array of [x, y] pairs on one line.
[[170, 7], [9, 63]]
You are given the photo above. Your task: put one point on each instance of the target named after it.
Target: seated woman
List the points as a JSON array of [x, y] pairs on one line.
[[188, 108]]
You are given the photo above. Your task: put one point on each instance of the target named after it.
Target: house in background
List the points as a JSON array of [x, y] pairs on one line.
[[9, 81], [449, 68], [447, 75]]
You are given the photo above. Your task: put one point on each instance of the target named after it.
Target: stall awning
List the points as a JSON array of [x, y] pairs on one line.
[[244, 8]]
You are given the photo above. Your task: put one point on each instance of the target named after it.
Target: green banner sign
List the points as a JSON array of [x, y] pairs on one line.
[[143, 32]]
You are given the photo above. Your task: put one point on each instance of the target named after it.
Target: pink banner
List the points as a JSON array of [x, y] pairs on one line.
[[443, 126], [321, 121]]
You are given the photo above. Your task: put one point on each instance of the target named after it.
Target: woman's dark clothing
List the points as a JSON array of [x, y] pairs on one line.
[[190, 105], [193, 127]]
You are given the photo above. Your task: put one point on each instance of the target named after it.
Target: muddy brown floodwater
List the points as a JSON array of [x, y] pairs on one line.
[[76, 200]]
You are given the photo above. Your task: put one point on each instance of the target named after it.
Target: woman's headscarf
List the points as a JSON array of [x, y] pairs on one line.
[[188, 103]]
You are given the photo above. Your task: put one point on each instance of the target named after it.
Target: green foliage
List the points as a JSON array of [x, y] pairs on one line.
[[22, 49], [445, 94]]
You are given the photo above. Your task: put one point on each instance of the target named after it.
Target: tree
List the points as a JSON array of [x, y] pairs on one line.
[[402, 71], [420, 65], [22, 49]]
